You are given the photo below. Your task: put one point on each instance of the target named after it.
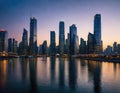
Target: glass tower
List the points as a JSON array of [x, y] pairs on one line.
[[3, 41], [25, 37], [33, 36], [74, 41], [52, 43], [97, 34], [61, 37]]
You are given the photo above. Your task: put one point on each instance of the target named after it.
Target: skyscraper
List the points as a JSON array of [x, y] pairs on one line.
[[61, 37], [23, 45], [97, 34], [10, 45], [3, 41], [115, 48], [52, 43], [44, 48], [108, 50], [83, 48], [90, 44], [33, 36], [25, 37], [74, 41], [67, 43], [15, 46]]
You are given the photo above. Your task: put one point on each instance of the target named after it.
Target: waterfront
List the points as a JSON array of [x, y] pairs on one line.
[[58, 75]]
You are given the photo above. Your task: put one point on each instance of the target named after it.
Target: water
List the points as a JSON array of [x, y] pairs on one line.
[[58, 75]]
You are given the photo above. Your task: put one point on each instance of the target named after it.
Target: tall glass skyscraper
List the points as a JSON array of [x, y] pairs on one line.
[[33, 36], [15, 46], [74, 41], [52, 43], [67, 43], [3, 40], [61, 37], [25, 37], [83, 48], [10, 45], [97, 34], [90, 43]]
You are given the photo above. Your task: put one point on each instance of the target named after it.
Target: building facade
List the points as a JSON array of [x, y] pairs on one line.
[[61, 37], [90, 44], [83, 48], [33, 36], [10, 45], [67, 44], [97, 34], [52, 43], [23, 45], [44, 48], [74, 41], [3, 41]]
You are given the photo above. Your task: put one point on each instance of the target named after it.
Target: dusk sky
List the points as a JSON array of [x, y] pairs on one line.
[[15, 15]]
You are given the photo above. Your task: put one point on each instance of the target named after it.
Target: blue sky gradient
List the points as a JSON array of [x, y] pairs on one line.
[[15, 15]]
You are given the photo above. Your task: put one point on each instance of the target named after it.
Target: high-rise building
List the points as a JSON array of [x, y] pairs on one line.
[[67, 43], [74, 41], [118, 48], [90, 44], [83, 48], [61, 37], [33, 36], [10, 45], [52, 43], [25, 42], [97, 34], [3, 40], [115, 48], [25, 37], [44, 48], [40, 50], [108, 50], [15, 46], [23, 45]]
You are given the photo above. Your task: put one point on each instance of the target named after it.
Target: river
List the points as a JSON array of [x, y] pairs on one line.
[[58, 75]]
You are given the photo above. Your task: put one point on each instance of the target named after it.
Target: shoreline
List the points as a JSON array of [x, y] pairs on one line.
[[115, 59]]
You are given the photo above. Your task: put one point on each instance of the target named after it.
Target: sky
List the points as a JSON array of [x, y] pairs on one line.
[[15, 15]]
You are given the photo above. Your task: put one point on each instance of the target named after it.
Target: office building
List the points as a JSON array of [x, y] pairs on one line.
[[3, 40], [52, 43], [83, 48], [74, 41], [97, 34], [33, 36], [10, 45], [61, 37], [90, 44]]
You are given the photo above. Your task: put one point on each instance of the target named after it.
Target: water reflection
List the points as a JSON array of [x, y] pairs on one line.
[[115, 67], [3, 74], [52, 69], [33, 74], [12, 68], [61, 72], [94, 69], [72, 73], [58, 75], [24, 68], [82, 63]]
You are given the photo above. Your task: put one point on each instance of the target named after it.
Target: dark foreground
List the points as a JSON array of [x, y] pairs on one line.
[[58, 75]]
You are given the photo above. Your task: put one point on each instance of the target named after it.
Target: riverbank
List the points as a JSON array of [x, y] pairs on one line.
[[95, 58]]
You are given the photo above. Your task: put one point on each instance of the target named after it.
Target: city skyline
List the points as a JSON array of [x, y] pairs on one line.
[[50, 13]]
